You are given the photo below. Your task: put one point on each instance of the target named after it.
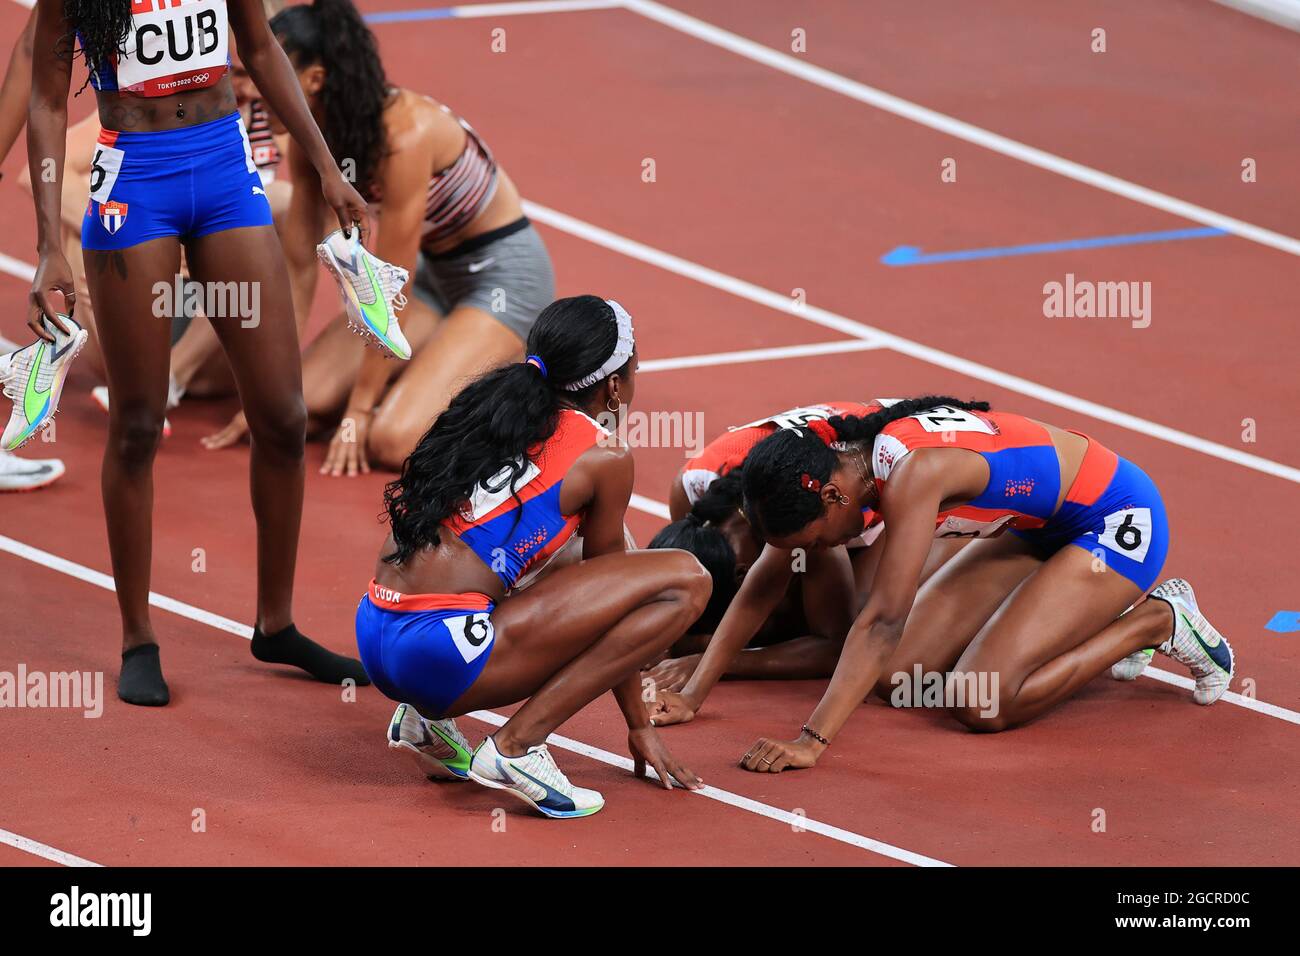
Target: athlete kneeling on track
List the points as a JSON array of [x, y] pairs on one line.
[[512, 469], [779, 624], [1042, 608]]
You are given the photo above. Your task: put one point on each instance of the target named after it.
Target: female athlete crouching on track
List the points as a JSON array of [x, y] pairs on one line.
[[447, 213], [1026, 608], [785, 625], [507, 474]]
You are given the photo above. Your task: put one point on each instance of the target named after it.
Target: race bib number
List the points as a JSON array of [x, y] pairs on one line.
[[491, 494], [472, 634], [104, 167], [944, 418], [174, 45], [800, 417], [793, 418], [1128, 532]]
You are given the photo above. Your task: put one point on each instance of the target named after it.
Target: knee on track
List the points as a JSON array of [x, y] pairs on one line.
[[981, 720]]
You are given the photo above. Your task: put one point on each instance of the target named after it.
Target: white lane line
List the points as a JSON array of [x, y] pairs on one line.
[[17, 268], [952, 126], [735, 800], [880, 338], [99, 579], [1232, 697], [755, 355], [43, 850], [650, 506]]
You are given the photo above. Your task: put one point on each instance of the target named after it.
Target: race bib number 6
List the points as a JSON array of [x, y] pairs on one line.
[[1128, 532], [104, 167], [471, 634]]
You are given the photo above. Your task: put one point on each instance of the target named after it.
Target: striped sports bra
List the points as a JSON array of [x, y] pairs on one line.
[[458, 193]]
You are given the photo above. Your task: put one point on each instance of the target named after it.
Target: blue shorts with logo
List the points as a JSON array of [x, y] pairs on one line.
[[188, 182], [424, 649]]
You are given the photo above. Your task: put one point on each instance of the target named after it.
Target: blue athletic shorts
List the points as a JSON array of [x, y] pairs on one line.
[[1114, 511], [186, 182], [424, 649]]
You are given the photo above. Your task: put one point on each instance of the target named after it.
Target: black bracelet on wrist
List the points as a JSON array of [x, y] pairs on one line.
[[815, 736]]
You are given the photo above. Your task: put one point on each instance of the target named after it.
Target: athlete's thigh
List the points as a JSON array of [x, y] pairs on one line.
[[463, 345], [134, 338], [956, 602], [538, 631], [243, 274], [1069, 599]]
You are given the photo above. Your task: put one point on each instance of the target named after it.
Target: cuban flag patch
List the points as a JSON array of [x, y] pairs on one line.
[[112, 215]]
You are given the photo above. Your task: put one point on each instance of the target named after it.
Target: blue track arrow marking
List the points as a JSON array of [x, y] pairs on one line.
[[913, 256], [1284, 622]]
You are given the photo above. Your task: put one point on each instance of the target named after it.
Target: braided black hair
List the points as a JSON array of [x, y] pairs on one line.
[[332, 34], [489, 427], [700, 533], [777, 499], [102, 26]]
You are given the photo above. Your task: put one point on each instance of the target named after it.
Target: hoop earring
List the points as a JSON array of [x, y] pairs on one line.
[[615, 406], [843, 499]]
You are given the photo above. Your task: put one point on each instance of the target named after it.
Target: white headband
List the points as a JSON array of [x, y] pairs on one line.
[[622, 350]]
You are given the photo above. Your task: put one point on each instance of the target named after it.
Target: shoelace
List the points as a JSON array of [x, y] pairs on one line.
[[14, 381], [548, 771], [393, 279]]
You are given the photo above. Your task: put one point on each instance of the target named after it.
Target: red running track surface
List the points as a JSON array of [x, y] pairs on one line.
[[785, 185]]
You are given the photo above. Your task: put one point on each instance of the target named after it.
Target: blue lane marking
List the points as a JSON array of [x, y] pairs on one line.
[[1285, 622], [404, 16], [913, 256]]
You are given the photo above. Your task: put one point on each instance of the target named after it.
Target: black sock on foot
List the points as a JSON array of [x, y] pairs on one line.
[[142, 678], [288, 646]]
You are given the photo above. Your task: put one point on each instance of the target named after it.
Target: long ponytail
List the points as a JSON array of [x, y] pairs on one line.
[[700, 533], [489, 427], [777, 499], [333, 34]]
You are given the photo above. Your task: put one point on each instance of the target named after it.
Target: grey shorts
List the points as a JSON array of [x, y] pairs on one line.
[[505, 273]]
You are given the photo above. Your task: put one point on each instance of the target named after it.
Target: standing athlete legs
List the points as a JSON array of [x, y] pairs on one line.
[[136, 349], [263, 353]]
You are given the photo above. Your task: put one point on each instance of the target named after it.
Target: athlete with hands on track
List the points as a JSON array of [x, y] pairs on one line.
[[1044, 608]]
